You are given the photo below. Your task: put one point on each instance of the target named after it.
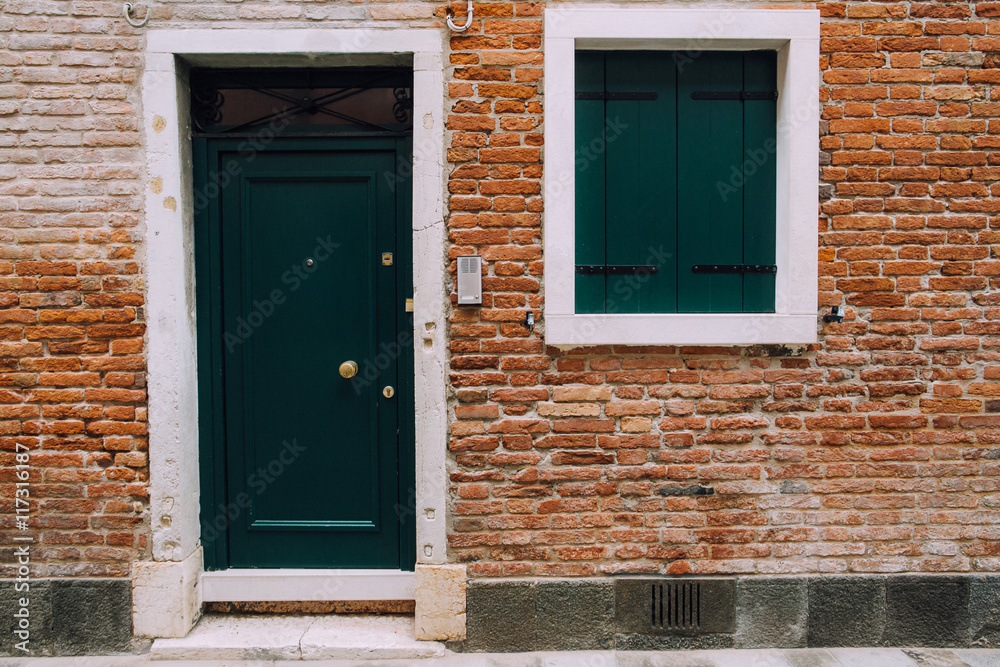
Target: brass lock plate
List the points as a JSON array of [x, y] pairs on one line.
[[387, 259], [388, 392]]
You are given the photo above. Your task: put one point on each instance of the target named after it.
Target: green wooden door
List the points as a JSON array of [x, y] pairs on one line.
[[313, 469]]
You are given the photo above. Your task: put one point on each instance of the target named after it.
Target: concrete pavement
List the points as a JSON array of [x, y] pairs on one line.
[[833, 657]]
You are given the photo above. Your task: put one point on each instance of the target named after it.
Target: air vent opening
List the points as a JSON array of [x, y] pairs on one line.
[[675, 605]]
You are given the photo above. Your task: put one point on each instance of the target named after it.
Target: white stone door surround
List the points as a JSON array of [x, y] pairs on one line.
[[169, 589]]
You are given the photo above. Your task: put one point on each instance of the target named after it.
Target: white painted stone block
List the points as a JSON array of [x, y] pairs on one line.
[[440, 608], [165, 599]]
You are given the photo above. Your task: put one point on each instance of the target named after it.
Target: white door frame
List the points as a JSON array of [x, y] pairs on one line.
[[166, 590]]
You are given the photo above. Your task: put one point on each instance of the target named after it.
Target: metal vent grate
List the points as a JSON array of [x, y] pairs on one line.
[[676, 605]]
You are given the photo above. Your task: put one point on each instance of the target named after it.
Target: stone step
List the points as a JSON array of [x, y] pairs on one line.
[[327, 637]]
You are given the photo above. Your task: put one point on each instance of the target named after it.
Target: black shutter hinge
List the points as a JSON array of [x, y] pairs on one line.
[[600, 95], [618, 270], [742, 95], [734, 268]]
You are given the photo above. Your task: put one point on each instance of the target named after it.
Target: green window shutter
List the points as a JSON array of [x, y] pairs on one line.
[[669, 180], [590, 186], [641, 180]]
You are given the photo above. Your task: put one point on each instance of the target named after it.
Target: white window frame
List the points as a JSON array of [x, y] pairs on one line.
[[794, 34]]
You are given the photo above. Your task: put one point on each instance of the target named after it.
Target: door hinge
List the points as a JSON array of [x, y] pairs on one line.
[[619, 270], [742, 95], [600, 95], [408, 306], [734, 268], [387, 259]]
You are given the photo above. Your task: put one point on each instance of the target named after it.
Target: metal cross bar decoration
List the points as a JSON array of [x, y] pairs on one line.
[[371, 100]]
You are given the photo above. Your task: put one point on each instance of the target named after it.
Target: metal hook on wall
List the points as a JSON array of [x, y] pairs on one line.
[[128, 16], [468, 20]]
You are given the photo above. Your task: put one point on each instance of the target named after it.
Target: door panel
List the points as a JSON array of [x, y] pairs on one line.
[[312, 460], [305, 239]]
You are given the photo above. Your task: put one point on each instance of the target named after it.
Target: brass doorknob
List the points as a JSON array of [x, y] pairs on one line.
[[348, 369]]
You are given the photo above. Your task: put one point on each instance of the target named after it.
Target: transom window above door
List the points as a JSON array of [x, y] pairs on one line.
[[356, 100]]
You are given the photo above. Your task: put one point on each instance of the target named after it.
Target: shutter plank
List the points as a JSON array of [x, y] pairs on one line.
[[624, 190], [642, 181], [759, 192], [657, 219], [590, 182], [710, 144]]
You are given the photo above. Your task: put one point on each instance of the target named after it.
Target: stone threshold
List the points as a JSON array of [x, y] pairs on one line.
[[332, 637]]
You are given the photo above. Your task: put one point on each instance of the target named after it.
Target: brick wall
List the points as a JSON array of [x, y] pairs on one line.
[[72, 179], [71, 324], [874, 450]]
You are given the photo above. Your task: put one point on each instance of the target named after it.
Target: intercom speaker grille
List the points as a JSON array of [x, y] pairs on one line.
[[679, 606], [470, 280]]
